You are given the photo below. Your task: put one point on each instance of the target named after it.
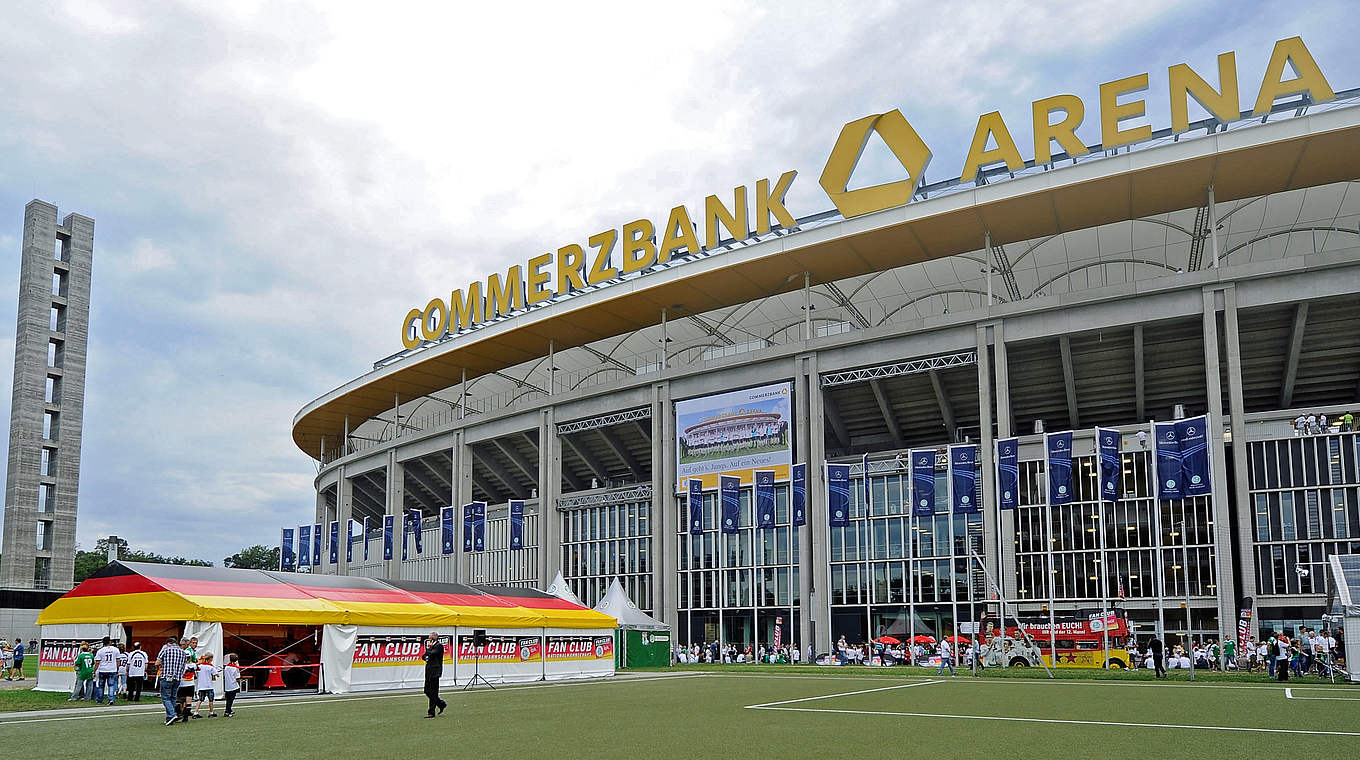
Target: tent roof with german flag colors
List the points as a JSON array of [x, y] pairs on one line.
[[126, 592]]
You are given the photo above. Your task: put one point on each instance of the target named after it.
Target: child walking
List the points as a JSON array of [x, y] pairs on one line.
[[231, 683], [204, 687]]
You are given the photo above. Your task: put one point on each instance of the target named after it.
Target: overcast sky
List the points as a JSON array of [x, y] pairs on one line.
[[274, 185]]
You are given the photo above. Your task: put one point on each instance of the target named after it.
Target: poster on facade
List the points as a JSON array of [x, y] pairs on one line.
[[734, 433]]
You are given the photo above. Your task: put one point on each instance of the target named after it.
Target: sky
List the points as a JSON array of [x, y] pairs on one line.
[[275, 184]]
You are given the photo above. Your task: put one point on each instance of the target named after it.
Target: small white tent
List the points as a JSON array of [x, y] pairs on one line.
[[644, 641], [562, 590]]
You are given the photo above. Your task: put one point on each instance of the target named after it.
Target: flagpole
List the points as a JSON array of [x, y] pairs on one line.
[[867, 547], [1000, 553], [1160, 585], [1100, 531], [953, 571], [911, 564], [1052, 580]]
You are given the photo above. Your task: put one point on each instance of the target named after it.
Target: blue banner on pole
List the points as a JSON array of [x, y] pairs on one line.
[[695, 498], [479, 526], [335, 542], [1008, 473], [923, 483], [405, 528], [516, 524], [729, 501], [316, 545], [963, 478], [349, 540], [765, 499], [1168, 447], [446, 530], [388, 526], [1194, 441], [367, 530], [287, 559], [1059, 451], [467, 527], [799, 495], [418, 529], [305, 546], [1107, 445], [838, 495]]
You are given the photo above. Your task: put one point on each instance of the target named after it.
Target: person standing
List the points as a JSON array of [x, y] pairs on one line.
[[121, 686], [231, 683], [203, 686], [1157, 649], [434, 669], [1281, 645], [18, 658], [946, 657], [106, 671], [84, 668], [170, 664], [136, 672]]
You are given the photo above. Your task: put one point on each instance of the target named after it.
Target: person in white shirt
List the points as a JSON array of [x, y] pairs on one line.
[[136, 672], [203, 686], [231, 683], [121, 688], [946, 658], [106, 672], [796, 654]]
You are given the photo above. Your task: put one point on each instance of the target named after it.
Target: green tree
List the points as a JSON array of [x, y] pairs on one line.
[[257, 557]]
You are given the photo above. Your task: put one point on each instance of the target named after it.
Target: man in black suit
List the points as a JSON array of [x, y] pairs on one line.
[[434, 668], [1155, 646]]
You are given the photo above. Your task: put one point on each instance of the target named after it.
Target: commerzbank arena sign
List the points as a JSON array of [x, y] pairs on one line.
[[641, 244]]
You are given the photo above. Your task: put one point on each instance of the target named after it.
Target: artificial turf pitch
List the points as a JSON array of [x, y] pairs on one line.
[[744, 714]]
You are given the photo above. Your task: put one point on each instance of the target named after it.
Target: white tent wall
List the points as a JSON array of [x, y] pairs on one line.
[[369, 658], [209, 637], [59, 646]]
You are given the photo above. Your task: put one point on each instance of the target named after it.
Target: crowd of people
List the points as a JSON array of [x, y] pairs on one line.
[[729, 654], [12, 657], [1317, 424], [185, 678]]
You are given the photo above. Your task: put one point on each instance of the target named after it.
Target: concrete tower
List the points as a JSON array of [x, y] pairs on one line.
[[49, 399]]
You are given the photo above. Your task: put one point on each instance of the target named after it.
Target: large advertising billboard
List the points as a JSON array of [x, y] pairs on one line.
[[734, 433]]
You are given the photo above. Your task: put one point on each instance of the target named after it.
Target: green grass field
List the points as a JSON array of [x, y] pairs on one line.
[[832, 712]]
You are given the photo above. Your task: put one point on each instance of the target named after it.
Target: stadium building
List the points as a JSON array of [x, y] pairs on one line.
[[1207, 268]]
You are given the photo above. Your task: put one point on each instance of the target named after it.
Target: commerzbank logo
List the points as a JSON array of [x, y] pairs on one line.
[[906, 145]]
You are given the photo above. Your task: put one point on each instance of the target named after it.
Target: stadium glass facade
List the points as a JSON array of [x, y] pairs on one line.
[[1146, 297]]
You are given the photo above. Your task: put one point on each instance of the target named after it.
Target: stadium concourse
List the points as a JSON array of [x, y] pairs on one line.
[[881, 419]]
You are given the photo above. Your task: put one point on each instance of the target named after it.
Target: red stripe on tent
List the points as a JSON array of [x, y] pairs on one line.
[[381, 595], [232, 588], [548, 603], [464, 600], [114, 585]]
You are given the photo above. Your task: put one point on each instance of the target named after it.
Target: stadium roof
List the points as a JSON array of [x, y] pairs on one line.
[[124, 592], [1263, 159]]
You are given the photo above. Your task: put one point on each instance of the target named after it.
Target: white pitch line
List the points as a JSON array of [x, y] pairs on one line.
[[771, 705], [1061, 721], [252, 704], [1288, 693], [1028, 681]]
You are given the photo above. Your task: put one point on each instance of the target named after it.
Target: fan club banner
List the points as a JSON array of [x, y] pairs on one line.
[[287, 559], [579, 648], [305, 546], [516, 524], [500, 649], [446, 530], [467, 527], [394, 651], [388, 525], [1008, 473], [923, 483], [1107, 444], [838, 495], [799, 496], [316, 544], [478, 526], [335, 542], [1059, 452], [765, 499], [963, 478], [368, 528], [1244, 624], [1168, 447], [696, 507], [1192, 434], [58, 654], [729, 499]]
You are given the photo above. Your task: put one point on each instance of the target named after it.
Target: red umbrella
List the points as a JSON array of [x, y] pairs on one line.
[[889, 640], [957, 639], [923, 639]]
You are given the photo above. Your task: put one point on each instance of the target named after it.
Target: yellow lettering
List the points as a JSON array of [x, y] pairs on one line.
[[503, 298], [1112, 113], [1309, 77], [678, 235], [409, 331], [1065, 131], [991, 125], [571, 259], [771, 203], [1186, 84], [440, 324], [538, 279], [601, 269], [639, 245], [464, 313], [715, 213]]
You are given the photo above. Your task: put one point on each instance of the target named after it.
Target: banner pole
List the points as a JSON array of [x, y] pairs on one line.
[[867, 546], [1160, 586], [911, 565], [1185, 571], [1000, 553], [1104, 567], [1052, 572]]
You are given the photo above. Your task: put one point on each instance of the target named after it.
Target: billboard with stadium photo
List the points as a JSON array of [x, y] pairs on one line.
[[734, 433]]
